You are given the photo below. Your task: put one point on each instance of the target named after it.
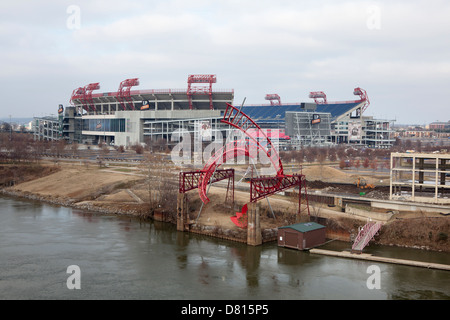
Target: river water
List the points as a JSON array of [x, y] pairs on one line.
[[123, 258]]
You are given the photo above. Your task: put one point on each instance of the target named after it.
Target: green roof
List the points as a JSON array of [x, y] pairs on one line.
[[304, 227]]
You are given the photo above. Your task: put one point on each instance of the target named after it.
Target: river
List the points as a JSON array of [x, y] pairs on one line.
[[124, 258]]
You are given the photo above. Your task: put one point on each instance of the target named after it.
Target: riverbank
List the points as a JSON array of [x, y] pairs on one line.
[[126, 191]]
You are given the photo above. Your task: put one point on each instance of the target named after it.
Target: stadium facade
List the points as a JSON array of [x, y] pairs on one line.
[[128, 117]]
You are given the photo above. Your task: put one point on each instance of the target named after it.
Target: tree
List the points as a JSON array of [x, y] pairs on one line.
[[368, 153], [285, 156], [5, 127], [407, 144], [332, 157], [342, 164], [105, 150], [374, 164], [418, 146], [161, 143], [366, 163], [162, 188], [321, 156], [351, 163], [300, 155], [340, 152], [311, 154], [74, 148], [139, 149], [350, 152], [357, 164]]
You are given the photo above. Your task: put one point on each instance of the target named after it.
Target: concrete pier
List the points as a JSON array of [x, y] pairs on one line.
[[254, 237], [369, 257], [182, 213]]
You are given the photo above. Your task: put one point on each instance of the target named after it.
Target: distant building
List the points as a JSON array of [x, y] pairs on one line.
[[67, 126], [440, 126]]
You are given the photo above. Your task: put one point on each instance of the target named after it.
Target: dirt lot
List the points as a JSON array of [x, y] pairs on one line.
[[76, 183]]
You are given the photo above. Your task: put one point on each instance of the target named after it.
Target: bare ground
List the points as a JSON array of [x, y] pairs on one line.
[[125, 191]]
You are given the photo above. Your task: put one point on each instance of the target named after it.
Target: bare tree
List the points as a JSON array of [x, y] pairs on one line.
[[104, 151], [366, 163], [311, 154], [161, 185], [341, 152], [59, 147], [74, 148], [374, 164], [357, 164], [332, 157]]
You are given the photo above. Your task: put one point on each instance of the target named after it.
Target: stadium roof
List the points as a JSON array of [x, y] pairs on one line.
[[276, 113], [164, 98]]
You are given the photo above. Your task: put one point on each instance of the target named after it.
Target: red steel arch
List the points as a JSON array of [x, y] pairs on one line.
[[239, 120], [227, 152]]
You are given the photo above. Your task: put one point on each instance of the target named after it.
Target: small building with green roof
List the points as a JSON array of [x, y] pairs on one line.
[[301, 236]]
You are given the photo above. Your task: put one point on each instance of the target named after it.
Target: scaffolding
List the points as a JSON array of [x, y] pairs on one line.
[[378, 133], [308, 128]]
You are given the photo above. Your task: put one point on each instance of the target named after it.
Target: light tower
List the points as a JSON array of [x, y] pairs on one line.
[[77, 94], [272, 98], [364, 97], [84, 95], [88, 94], [318, 95], [123, 94], [203, 90]]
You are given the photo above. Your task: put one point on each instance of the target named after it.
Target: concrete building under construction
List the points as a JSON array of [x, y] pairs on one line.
[[420, 177]]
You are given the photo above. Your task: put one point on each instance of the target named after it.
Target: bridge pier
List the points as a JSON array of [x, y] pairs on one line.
[[254, 237], [182, 212]]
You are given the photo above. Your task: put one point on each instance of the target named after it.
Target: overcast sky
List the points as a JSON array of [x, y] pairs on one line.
[[398, 51]]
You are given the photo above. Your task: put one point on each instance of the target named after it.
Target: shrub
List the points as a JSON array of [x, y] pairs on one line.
[[442, 236]]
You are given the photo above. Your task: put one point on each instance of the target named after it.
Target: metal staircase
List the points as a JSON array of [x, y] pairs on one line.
[[365, 235]]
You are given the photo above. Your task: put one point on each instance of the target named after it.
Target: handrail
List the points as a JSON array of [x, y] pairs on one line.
[[365, 235]]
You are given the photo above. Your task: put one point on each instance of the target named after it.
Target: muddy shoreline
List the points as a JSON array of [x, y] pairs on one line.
[[141, 212], [105, 191], [391, 236]]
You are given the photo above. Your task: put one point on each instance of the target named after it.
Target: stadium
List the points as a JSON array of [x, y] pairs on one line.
[[128, 116]]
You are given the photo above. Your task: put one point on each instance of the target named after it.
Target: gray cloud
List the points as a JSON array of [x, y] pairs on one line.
[[396, 50]]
